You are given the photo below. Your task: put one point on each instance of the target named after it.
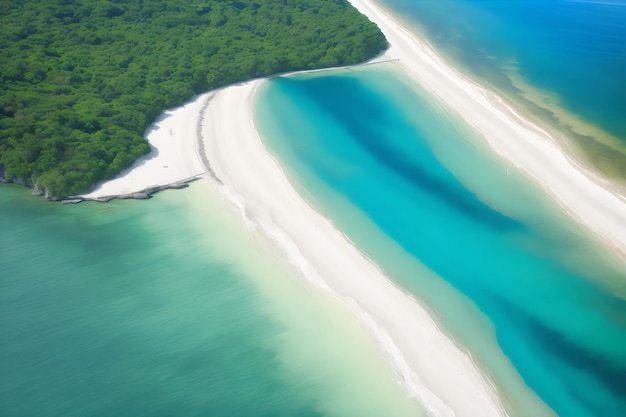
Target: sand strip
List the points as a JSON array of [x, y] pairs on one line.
[[585, 196], [173, 142], [435, 371]]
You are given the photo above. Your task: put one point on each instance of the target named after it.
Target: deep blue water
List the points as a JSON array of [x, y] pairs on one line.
[[575, 49], [368, 138]]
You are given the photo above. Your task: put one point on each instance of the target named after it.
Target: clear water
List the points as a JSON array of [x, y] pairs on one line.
[[169, 307], [567, 57], [423, 181]]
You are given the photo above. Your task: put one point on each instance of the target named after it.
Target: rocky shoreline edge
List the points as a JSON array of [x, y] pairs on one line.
[[144, 194]]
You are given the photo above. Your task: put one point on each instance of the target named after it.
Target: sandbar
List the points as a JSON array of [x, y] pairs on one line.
[[218, 128]]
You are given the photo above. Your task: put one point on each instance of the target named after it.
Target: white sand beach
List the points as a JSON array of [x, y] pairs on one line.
[[433, 368], [173, 142], [437, 372], [584, 195]]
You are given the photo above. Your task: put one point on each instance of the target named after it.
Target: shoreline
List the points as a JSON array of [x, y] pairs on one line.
[[173, 142], [592, 201], [252, 180], [172, 139], [425, 359]]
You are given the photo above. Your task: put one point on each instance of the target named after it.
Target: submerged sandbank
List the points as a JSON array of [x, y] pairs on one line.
[[425, 359]]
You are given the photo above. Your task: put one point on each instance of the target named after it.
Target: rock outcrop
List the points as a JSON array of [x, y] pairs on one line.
[[138, 195]]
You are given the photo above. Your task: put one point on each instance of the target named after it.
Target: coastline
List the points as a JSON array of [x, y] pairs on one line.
[[253, 181], [591, 200], [425, 359], [170, 161]]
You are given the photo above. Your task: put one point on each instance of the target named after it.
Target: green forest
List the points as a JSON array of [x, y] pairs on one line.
[[81, 80]]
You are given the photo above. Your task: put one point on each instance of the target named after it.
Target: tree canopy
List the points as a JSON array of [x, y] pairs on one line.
[[81, 80]]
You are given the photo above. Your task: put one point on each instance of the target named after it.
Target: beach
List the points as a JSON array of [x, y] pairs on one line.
[[218, 128], [584, 195], [580, 192], [173, 144], [425, 359]]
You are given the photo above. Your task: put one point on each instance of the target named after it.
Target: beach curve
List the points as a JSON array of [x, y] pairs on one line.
[[593, 201], [173, 146], [425, 358], [587, 197]]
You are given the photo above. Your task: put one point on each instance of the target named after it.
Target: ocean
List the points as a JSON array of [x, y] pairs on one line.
[[172, 307], [493, 257], [169, 307], [560, 60]]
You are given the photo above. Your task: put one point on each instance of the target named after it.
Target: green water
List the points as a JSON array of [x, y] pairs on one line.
[[170, 307], [538, 303], [561, 60]]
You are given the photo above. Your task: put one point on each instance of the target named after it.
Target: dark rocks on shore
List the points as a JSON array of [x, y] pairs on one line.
[[137, 196], [179, 185], [38, 190], [105, 199], [140, 195]]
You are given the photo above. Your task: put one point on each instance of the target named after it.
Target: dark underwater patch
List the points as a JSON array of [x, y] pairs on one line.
[[609, 372], [366, 123]]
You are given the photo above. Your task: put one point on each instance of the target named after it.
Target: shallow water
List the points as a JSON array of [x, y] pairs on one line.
[[562, 59], [170, 307], [369, 142]]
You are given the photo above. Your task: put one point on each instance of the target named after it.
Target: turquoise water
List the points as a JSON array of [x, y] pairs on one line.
[[368, 141], [167, 308], [572, 51]]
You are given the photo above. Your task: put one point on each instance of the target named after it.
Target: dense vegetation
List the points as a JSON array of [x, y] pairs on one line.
[[80, 80]]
